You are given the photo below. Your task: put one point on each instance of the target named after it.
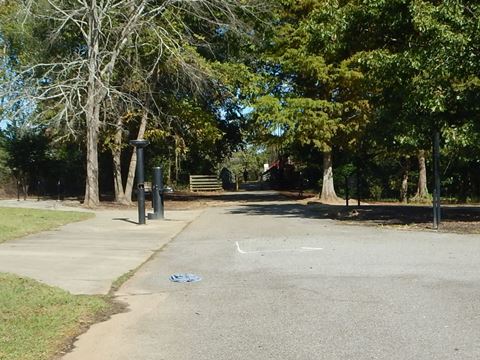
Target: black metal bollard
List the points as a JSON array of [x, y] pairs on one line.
[[358, 187], [59, 190], [347, 195], [157, 195], [139, 146]]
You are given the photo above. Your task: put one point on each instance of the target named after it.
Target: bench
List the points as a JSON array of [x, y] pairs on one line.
[[205, 183]]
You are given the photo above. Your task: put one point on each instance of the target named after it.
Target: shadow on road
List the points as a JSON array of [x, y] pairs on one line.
[[240, 196], [250, 201], [286, 209], [461, 218]]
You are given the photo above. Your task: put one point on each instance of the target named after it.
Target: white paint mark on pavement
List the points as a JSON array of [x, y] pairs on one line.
[[238, 248], [302, 249]]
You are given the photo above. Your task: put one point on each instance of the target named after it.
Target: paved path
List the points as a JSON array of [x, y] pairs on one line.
[[86, 257], [280, 284]]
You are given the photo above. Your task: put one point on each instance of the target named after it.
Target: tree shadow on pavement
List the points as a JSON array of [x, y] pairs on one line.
[[278, 209], [454, 218], [240, 196]]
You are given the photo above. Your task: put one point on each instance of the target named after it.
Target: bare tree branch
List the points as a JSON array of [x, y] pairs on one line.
[[79, 83]]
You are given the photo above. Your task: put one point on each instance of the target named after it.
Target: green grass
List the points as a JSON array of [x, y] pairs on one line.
[[36, 320], [15, 222]]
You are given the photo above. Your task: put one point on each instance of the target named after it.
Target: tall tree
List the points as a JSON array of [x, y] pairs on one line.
[[87, 40], [421, 60], [315, 90]]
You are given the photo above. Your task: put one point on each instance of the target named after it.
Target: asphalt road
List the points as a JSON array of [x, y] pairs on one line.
[[279, 284]]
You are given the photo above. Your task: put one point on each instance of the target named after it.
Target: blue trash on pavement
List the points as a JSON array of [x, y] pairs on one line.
[[185, 278]]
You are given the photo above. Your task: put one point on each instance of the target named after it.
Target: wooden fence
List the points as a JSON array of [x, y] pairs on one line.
[[205, 183]]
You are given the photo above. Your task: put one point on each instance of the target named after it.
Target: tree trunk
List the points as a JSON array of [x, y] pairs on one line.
[[133, 159], [168, 175], [92, 114], [92, 197], [404, 184], [328, 190], [422, 190], [177, 166], [117, 166], [25, 188], [120, 195]]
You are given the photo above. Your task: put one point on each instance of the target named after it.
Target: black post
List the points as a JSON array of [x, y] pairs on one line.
[[436, 176], [139, 146], [157, 195], [346, 190], [358, 186], [300, 190], [59, 185], [38, 190], [18, 190]]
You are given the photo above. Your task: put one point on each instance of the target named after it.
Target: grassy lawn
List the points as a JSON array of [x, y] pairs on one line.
[[36, 320], [15, 222]]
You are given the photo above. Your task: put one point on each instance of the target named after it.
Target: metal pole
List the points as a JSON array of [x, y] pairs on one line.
[[140, 186], [346, 190], [358, 186], [157, 195], [59, 184], [436, 175], [139, 146]]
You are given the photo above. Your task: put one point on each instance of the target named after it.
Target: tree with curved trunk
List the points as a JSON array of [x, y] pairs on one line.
[[123, 194], [133, 159]]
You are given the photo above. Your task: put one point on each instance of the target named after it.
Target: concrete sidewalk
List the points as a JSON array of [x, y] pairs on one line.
[[86, 257]]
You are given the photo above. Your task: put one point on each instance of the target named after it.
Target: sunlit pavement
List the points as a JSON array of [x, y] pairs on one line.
[[277, 283]]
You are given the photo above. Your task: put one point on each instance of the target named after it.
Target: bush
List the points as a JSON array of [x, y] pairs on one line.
[[376, 191]]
